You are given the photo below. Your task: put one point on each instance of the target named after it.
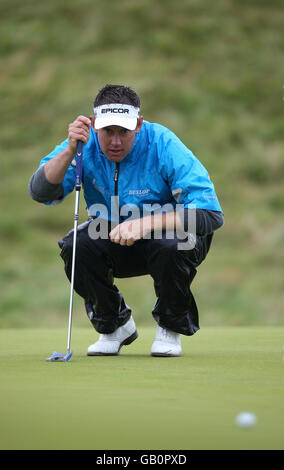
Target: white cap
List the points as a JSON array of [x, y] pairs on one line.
[[116, 114]]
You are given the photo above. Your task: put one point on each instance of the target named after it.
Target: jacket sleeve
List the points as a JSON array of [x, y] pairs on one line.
[[41, 190], [187, 178], [204, 221]]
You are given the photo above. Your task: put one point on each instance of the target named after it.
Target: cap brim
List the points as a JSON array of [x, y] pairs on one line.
[[130, 123]]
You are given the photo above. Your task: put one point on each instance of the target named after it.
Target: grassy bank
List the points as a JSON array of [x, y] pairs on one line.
[[213, 73]]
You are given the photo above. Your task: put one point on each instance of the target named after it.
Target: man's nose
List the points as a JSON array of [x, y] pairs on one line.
[[116, 139]]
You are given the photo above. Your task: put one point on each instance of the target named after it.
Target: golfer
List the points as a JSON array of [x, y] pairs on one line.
[[152, 209]]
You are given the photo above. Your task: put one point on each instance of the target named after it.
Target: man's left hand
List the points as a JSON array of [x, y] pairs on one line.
[[128, 232]]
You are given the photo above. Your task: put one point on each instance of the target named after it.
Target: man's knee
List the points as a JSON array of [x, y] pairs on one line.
[[166, 248], [163, 246], [92, 256], [66, 242], [66, 245], [164, 256], [85, 246]]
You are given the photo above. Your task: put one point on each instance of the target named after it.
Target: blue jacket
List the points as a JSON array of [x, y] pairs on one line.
[[159, 169]]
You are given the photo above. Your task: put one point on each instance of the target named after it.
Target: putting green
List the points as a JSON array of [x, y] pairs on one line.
[[134, 401]]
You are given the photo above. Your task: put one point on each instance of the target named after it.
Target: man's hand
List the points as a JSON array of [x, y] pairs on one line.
[[130, 231], [78, 130], [55, 169]]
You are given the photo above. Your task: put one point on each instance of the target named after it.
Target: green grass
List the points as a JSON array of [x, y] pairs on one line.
[[134, 401]]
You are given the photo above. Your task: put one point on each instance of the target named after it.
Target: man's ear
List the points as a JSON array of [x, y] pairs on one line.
[[92, 119], [139, 124]]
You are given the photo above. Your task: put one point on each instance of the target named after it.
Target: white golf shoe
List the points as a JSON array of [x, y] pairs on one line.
[[110, 344], [167, 343]]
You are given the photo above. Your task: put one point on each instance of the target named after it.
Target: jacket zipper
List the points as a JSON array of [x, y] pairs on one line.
[[116, 175]]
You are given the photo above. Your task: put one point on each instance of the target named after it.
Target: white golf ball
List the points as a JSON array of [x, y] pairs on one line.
[[246, 420]]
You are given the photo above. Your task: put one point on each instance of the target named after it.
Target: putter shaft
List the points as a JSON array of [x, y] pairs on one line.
[[56, 357], [76, 216]]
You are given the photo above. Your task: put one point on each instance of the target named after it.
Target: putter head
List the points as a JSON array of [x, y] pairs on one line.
[[57, 357]]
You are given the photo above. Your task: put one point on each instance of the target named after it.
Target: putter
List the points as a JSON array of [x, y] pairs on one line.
[[57, 357]]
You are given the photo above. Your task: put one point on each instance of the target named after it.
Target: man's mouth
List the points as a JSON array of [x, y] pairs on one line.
[[115, 151]]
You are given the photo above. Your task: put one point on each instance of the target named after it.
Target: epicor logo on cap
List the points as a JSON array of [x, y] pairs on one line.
[[114, 110], [116, 114]]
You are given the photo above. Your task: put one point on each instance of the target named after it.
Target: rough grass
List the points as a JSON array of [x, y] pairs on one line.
[[209, 71]]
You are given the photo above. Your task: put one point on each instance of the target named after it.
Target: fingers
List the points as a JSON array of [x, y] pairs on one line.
[[124, 241], [123, 234], [79, 130], [116, 236]]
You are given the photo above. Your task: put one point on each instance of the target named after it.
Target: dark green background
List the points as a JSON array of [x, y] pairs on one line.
[[210, 71]]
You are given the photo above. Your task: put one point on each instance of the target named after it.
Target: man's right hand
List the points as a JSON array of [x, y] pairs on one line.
[[55, 169], [78, 130]]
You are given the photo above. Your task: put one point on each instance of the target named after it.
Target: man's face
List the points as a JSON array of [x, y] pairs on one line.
[[116, 142]]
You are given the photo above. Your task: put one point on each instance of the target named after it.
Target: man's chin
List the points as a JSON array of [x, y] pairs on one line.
[[115, 158]]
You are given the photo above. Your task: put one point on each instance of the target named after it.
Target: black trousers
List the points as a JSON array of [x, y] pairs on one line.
[[99, 261]]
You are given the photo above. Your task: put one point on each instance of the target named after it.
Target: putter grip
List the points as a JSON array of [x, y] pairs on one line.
[[79, 163]]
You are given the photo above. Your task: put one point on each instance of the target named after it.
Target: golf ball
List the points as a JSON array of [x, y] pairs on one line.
[[246, 420]]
